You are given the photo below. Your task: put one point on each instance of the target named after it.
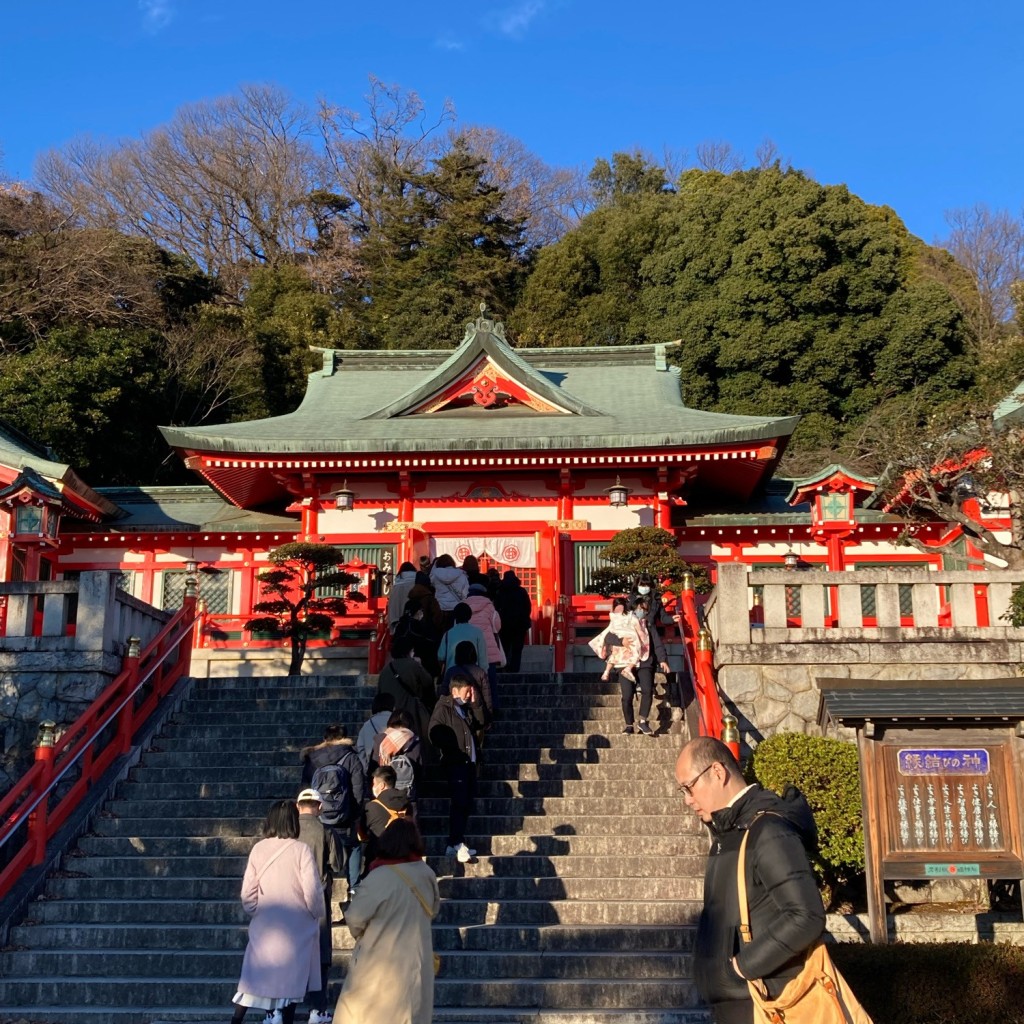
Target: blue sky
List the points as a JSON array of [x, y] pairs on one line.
[[911, 104]]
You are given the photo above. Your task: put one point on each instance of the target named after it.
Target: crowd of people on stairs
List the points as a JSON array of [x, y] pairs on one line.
[[351, 836]]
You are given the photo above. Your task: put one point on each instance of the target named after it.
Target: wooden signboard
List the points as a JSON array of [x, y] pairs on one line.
[[939, 803]]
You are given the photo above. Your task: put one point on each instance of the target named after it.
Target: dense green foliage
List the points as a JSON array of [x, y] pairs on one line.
[[789, 296], [936, 983], [643, 551], [827, 772], [443, 245], [296, 610]]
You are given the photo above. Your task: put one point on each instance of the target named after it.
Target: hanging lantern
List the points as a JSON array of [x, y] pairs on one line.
[[618, 494], [345, 500]]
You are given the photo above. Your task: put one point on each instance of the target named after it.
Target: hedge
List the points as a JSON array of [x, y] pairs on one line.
[[827, 772], [936, 983]]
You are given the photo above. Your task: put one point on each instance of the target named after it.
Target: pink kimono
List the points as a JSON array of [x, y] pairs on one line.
[[622, 644]]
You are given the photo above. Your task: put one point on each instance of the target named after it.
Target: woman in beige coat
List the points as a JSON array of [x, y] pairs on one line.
[[391, 975]]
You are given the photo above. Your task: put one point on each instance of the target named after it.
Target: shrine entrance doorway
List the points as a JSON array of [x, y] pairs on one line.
[[518, 553]]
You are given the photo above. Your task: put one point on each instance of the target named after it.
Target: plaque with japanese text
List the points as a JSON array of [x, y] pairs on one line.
[[945, 799]]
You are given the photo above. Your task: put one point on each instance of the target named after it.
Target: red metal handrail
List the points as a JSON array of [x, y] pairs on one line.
[[89, 740], [380, 645], [700, 659]]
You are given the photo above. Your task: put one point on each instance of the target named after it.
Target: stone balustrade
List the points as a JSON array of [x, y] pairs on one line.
[[61, 644], [875, 604], [778, 632], [88, 614]]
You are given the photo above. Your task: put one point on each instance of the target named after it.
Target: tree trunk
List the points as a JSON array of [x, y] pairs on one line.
[[298, 655]]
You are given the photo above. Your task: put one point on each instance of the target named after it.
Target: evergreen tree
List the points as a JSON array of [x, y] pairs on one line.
[[789, 297], [297, 608], [443, 246]]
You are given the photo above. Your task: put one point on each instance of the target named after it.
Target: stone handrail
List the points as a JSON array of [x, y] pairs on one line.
[[87, 614], [800, 605]]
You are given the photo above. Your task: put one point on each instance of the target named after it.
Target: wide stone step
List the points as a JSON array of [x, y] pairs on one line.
[[129, 936], [567, 938], [476, 965], [258, 734], [313, 718], [497, 938], [140, 879], [565, 841], [571, 888], [487, 789], [157, 992], [520, 806], [517, 854], [617, 993], [170, 817], [212, 910], [170, 783], [637, 752]]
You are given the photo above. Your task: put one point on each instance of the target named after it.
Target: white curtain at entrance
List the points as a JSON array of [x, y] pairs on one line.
[[520, 552]]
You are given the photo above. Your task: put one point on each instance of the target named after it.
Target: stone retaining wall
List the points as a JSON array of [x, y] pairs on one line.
[[932, 926]]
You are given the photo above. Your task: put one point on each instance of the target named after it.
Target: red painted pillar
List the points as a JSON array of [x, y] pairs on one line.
[[126, 719], [37, 829], [310, 519], [565, 495]]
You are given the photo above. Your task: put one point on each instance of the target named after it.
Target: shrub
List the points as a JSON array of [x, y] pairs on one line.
[[936, 983], [827, 772]]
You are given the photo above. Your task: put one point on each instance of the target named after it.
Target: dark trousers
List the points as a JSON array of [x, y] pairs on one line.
[[513, 650], [645, 680], [461, 793], [736, 1011]]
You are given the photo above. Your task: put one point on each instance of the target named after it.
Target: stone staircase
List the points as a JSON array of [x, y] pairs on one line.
[[578, 910]]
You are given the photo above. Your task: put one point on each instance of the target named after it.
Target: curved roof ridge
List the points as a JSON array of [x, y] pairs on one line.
[[485, 338]]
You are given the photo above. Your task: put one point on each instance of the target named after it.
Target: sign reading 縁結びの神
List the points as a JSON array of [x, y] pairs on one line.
[[943, 761]]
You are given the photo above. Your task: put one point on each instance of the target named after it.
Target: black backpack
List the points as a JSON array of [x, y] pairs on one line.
[[334, 784]]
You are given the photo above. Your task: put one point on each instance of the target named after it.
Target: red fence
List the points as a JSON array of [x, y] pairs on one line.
[[101, 734], [700, 660]]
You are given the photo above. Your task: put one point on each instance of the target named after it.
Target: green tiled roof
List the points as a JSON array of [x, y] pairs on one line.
[[618, 397], [166, 509], [18, 452]]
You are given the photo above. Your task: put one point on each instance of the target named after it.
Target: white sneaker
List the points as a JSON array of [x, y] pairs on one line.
[[315, 1017], [464, 854], [273, 1018]]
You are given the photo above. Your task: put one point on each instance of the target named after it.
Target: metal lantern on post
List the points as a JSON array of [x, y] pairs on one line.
[[618, 494], [47, 734]]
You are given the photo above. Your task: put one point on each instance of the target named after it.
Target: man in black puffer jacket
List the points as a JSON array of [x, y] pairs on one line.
[[786, 912]]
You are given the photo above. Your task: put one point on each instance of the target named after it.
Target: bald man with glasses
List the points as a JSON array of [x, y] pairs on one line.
[[786, 912]]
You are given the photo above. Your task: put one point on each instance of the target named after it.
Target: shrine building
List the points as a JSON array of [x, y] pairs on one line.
[[529, 458]]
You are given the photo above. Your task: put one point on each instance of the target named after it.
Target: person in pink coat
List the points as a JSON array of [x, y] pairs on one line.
[[281, 891], [486, 618]]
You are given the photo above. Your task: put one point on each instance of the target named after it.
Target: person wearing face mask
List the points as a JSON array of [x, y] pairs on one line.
[[455, 725], [647, 588], [654, 654]]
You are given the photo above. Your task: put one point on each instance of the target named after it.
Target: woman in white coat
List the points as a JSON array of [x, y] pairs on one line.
[[390, 977], [281, 890]]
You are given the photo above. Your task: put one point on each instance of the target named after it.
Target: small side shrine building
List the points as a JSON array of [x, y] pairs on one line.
[[529, 458]]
